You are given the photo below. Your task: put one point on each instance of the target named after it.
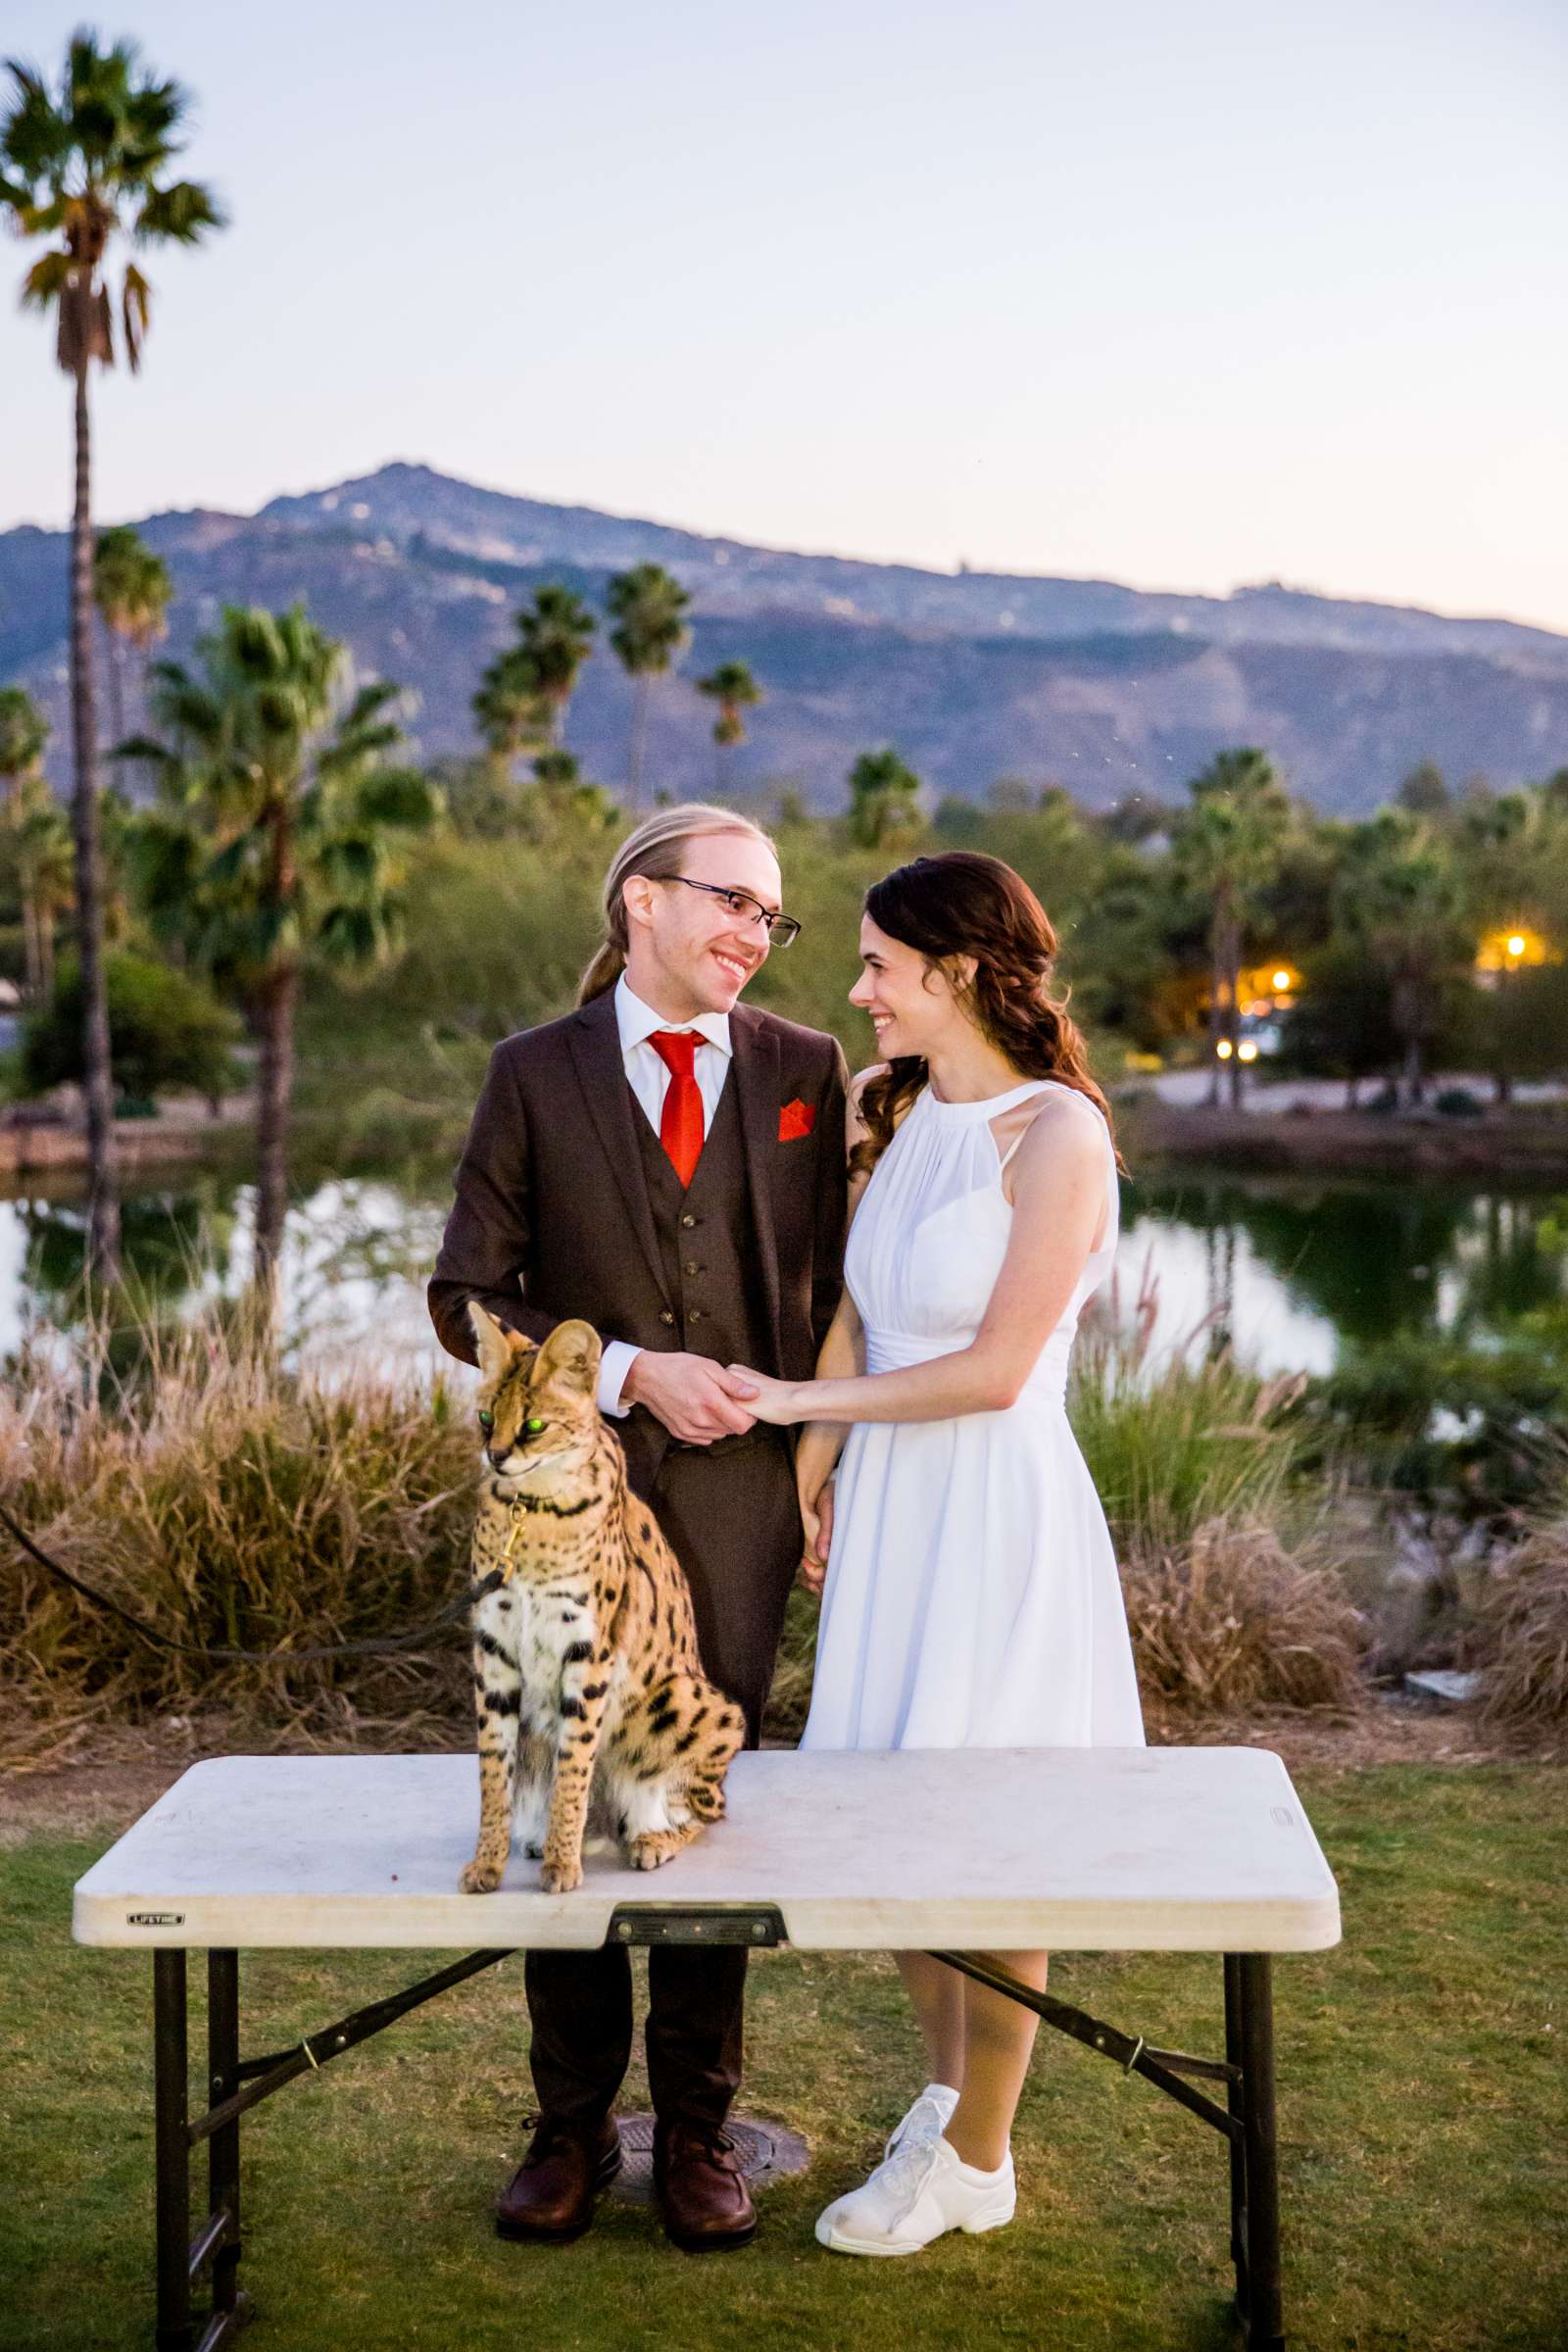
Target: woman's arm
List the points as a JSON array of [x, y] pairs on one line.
[[841, 1356], [1058, 1202]]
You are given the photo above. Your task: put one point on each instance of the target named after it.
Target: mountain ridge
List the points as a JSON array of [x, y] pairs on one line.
[[972, 675]]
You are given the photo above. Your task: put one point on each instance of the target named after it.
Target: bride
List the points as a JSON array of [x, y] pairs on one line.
[[971, 1597]]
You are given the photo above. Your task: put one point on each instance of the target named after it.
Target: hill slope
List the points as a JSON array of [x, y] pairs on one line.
[[972, 675]]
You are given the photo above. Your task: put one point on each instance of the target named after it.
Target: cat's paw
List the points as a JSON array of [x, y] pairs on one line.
[[658, 1847], [481, 1877], [560, 1874]]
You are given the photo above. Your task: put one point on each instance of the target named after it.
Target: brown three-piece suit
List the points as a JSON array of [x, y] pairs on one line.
[[568, 1206]]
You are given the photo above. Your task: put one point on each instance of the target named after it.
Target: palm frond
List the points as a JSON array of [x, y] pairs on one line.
[[46, 281], [36, 137], [179, 214], [136, 302]]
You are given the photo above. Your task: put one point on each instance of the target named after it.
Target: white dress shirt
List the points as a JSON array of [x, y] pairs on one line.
[[649, 1077]]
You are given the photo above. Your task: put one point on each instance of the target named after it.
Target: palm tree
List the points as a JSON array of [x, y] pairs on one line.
[[132, 591], [556, 631], [47, 868], [1401, 899], [511, 713], [85, 166], [36, 834], [281, 834], [884, 800], [24, 733], [648, 606], [734, 689], [1229, 843]]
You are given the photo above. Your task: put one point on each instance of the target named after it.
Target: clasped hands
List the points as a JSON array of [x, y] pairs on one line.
[[698, 1400]]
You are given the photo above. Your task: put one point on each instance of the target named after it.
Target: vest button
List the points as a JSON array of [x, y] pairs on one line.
[[695, 1315], [666, 1315], [692, 1267], [688, 1221]]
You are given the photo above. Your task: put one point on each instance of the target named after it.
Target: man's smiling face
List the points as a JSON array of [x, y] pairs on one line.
[[691, 952]]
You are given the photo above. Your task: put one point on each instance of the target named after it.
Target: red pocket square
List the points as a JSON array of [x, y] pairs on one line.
[[794, 1120]]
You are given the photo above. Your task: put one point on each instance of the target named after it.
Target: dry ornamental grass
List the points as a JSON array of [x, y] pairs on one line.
[[1524, 1629], [229, 1503]]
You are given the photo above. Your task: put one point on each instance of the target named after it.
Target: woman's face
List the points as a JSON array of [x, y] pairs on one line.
[[911, 1005]]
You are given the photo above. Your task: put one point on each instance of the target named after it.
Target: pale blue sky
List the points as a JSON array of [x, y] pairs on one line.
[[1186, 296]]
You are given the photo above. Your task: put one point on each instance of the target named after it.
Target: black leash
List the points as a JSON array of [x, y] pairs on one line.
[[386, 1644]]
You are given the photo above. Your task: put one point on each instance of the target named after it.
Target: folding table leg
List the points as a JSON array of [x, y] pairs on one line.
[[170, 2095], [1266, 2326], [1236, 2104], [223, 2148]]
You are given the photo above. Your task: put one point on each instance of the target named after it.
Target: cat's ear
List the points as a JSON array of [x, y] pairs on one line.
[[569, 1360], [499, 1347]]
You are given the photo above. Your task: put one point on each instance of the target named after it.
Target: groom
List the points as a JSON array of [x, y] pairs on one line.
[[668, 1166]]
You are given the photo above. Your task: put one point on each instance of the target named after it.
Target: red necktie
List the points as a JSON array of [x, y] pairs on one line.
[[680, 1130]]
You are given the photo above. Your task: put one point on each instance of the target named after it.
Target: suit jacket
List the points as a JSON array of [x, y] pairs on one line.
[[553, 1219]]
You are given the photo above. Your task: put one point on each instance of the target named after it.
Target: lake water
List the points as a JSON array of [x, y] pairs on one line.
[[1292, 1268]]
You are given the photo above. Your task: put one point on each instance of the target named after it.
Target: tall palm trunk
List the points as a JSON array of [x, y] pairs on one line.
[[1409, 1010], [639, 732], [1216, 999], [103, 1192], [31, 947], [279, 996], [44, 917], [1233, 975], [117, 681]]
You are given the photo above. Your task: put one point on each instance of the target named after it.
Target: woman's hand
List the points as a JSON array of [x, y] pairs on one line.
[[774, 1401], [816, 1518]]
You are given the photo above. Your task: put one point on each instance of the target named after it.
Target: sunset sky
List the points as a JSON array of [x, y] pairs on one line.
[[1184, 297]]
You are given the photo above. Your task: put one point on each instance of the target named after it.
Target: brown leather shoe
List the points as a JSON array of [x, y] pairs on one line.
[[701, 2189], [552, 2193]]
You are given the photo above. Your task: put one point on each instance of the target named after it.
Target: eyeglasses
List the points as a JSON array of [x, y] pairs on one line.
[[782, 929]]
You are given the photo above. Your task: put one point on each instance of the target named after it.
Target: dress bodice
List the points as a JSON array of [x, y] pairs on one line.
[[931, 1231]]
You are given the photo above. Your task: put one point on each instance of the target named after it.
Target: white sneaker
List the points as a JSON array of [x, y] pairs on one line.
[[916, 2195], [927, 2118]]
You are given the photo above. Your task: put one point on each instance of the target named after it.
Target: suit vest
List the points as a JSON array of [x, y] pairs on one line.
[[708, 1243]]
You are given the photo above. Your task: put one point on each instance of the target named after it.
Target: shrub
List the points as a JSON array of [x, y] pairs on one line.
[[1175, 1444], [1452, 1424], [1231, 1619], [1522, 1627], [227, 1502], [166, 1032]]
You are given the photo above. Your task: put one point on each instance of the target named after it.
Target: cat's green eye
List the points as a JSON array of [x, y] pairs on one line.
[[533, 1428], [487, 1422]]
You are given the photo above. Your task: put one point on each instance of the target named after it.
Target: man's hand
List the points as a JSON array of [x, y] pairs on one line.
[[817, 1520], [696, 1399]]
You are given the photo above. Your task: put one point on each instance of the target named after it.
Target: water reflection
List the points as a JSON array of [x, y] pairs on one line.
[[1289, 1269]]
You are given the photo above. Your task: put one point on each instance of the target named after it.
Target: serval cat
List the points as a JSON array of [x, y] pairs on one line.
[[587, 1679]]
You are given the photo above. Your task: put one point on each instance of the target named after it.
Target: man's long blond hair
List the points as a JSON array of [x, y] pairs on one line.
[[657, 849]]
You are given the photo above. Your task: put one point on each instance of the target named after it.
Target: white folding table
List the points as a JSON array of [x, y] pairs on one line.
[[954, 1853]]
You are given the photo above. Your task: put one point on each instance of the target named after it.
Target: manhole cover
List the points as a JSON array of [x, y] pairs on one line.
[[767, 2153]]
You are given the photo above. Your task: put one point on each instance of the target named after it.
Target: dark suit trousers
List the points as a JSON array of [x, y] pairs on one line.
[[732, 1519]]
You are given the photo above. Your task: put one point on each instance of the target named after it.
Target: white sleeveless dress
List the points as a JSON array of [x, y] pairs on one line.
[[972, 1598]]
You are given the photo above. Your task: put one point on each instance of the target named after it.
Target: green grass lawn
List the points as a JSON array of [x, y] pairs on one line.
[[1423, 2121]]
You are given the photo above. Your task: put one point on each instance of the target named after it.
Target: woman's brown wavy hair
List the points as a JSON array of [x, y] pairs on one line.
[[964, 904]]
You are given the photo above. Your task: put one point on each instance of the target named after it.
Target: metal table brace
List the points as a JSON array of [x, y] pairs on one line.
[[235, 2084]]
